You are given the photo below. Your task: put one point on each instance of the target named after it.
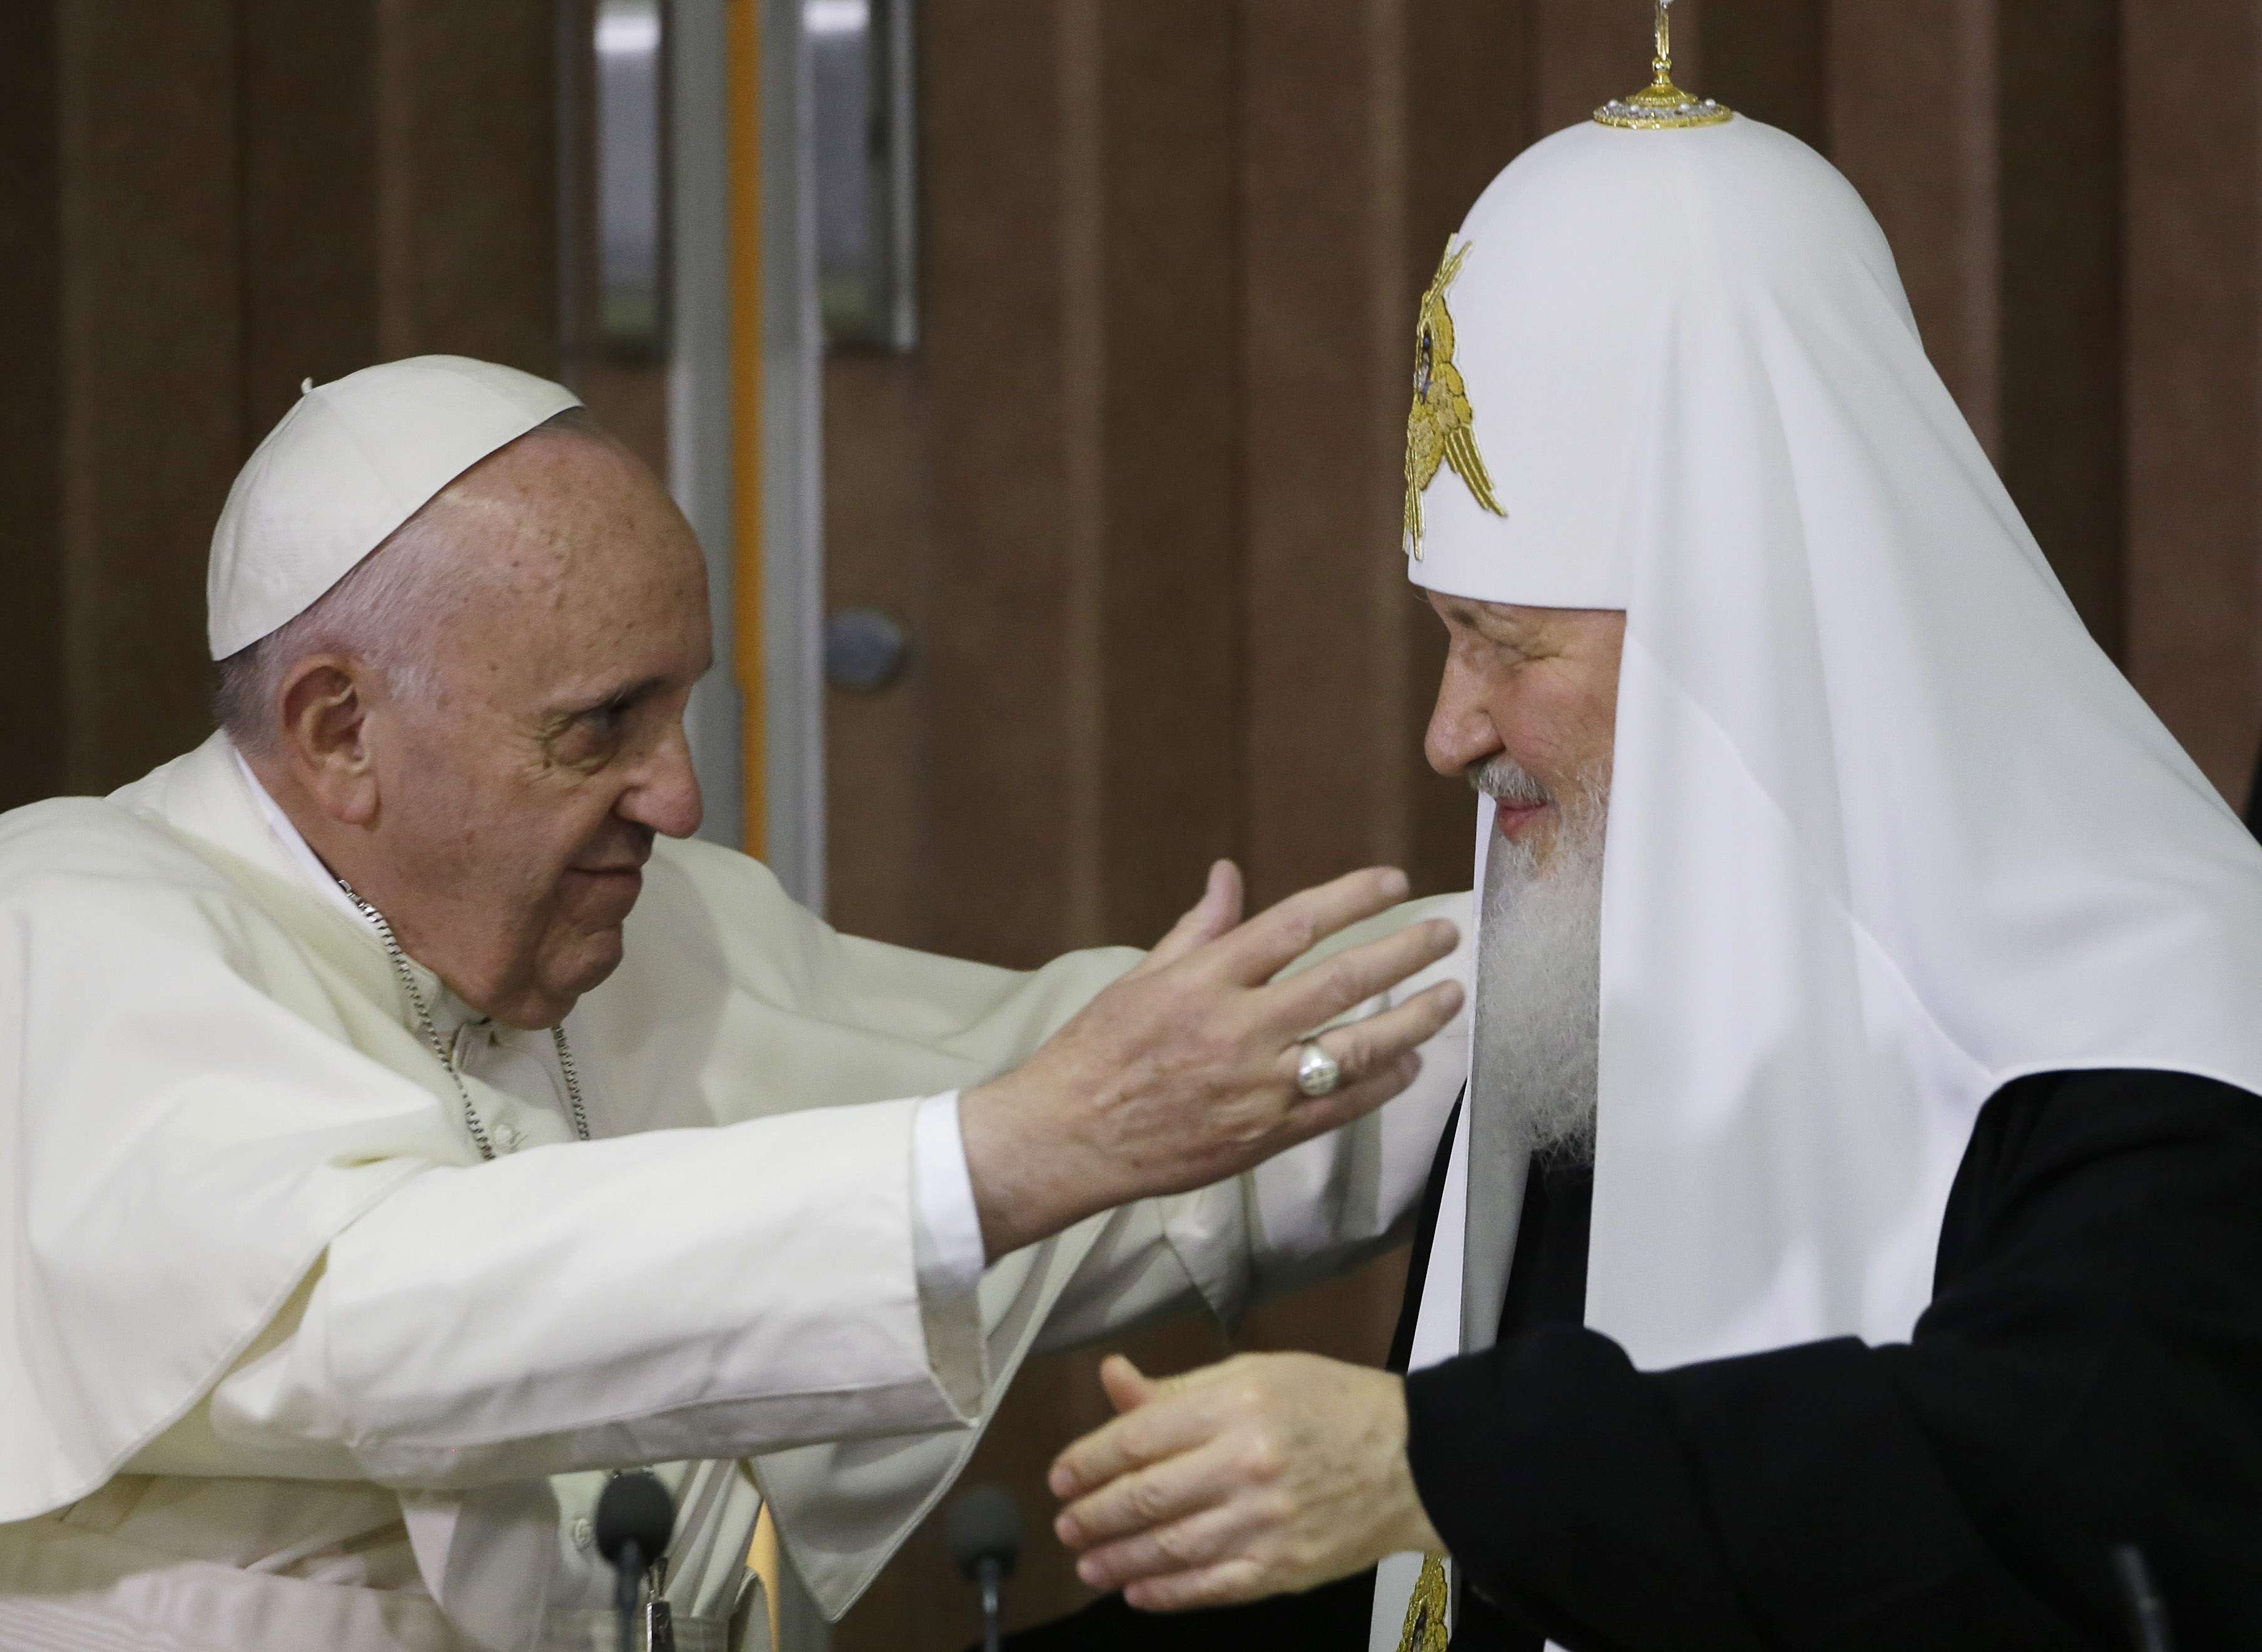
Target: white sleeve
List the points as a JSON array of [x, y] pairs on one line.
[[949, 1233], [678, 1293]]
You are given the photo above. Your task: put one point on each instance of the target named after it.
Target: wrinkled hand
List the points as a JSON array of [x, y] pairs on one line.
[[1269, 1473], [1184, 1071]]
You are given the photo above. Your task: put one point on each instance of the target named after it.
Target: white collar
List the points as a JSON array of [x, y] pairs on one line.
[[302, 855], [448, 1011]]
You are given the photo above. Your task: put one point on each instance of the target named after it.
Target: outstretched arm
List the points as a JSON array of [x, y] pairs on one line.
[[1184, 1073]]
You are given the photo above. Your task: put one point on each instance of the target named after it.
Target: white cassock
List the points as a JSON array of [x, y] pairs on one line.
[[287, 1367]]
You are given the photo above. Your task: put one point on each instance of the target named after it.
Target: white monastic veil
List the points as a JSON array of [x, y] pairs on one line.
[[1887, 829]]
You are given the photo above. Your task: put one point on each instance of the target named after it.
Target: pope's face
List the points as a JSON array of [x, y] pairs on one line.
[[1538, 685], [517, 800]]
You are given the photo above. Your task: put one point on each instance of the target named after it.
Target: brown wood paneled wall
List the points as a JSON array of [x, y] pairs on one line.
[[206, 202], [32, 731], [2189, 75]]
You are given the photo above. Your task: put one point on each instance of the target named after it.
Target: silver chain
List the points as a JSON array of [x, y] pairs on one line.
[[432, 1034]]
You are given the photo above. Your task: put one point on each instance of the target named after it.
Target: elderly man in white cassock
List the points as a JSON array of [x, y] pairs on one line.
[[1852, 1236], [407, 1127]]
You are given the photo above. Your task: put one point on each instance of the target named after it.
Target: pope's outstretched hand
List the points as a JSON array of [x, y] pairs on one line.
[[1184, 1071], [1266, 1473]]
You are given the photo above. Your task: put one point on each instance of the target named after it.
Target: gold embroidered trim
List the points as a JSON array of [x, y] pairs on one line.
[[1427, 1629], [1441, 426]]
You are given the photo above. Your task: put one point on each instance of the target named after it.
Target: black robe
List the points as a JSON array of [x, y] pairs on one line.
[[2254, 802], [2089, 1374]]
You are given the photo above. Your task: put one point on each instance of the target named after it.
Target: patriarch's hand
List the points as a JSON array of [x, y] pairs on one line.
[[1266, 1473], [1184, 1071]]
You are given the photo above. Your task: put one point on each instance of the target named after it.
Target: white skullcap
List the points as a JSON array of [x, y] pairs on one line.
[[352, 461]]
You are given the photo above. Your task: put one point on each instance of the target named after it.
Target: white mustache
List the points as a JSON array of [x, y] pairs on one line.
[[1504, 780]]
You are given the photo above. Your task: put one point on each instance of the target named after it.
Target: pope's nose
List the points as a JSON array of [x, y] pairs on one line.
[[666, 796]]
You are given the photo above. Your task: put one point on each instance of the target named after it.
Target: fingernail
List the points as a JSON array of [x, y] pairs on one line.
[[1395, 884], [1060, 1482], [1092, 1571], [1065, 1529]]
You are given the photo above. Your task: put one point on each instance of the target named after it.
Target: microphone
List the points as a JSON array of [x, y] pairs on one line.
[[635, 1519], [984, 1529]]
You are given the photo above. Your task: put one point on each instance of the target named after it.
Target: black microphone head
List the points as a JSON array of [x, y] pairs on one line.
[[983, 1525], [634, 1509]]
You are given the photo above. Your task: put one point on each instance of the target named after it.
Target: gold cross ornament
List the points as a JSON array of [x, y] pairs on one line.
[[1662, 106]]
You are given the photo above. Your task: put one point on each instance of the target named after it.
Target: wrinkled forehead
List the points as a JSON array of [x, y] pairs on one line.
[[1520, 623], [572, 509], [557, 569]]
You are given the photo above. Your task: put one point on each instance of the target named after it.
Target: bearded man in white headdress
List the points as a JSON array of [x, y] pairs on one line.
[[407, 1127], [1850, 1238]]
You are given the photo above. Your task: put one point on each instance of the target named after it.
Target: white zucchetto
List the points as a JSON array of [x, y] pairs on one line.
[[1887, 830], [348, 464]]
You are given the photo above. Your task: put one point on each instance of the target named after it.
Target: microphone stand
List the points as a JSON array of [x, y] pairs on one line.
[[984, 1531], [627, 1586], [989, 1574]]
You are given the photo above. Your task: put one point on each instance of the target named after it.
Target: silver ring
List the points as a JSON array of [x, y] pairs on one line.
[[1317, 1072]]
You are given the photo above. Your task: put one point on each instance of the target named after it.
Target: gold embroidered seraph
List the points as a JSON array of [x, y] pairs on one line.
[[1441, 427], [1426, 1628]]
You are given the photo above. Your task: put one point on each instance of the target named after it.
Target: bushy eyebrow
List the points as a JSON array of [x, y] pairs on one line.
[[1515, 633], [616, 699]]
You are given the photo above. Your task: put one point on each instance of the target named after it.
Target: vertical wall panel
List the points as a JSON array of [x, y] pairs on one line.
[[2194, 273], [466, 177], [33, 706], [2058, 227], [1585, 54], [1323, 229], [152, 346], [999, 656], [1911, 122], [1172, 519], [310, 249], [878, 773], [1768, 59]]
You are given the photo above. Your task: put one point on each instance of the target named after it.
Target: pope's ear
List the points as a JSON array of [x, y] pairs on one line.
[[323, 717]]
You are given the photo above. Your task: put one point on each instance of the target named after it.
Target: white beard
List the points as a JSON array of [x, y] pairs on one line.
[[1540, 973]]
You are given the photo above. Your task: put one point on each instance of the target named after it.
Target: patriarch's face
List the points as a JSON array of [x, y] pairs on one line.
[[1527, 709], [501, 816]]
